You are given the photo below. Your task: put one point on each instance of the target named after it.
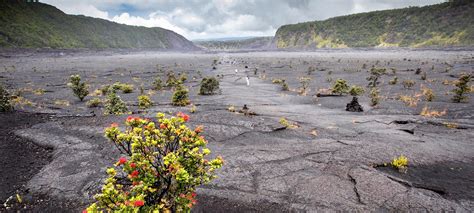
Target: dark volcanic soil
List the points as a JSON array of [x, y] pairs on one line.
[[325, 164], [21, 159]]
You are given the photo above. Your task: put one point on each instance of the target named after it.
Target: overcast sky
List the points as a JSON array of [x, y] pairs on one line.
[[198, 19]]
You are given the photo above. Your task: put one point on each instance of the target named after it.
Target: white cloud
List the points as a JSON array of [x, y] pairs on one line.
[[196, 19]]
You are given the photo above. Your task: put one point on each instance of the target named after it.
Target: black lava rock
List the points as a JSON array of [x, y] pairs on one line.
[[354, 106]]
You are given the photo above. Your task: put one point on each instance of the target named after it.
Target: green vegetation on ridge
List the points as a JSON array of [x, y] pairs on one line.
[[447, 24], [37, 25]]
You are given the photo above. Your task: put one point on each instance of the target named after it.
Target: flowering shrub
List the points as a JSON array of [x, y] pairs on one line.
[[78, 88], [165, 163]]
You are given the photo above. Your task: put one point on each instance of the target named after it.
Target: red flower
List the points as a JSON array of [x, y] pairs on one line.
[[183, 116], [122, 160], [198, 129], [134, 183], [134, 174], [84, 211], [162, 126], [133, 165], [130, 119], [114, 125], [139, 203], [193, 194]]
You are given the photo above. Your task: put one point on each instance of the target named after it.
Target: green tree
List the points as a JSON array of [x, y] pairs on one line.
[[78, 88], [209, 86]]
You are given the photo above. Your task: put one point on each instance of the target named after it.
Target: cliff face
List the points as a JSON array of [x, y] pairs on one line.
[[447, 24], [37, 25]]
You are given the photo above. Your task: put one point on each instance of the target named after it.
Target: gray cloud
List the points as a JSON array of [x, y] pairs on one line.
[[221, 18]]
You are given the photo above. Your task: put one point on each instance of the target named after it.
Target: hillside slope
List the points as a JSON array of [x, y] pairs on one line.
[[446, 24], [242, 44], [37, 25]]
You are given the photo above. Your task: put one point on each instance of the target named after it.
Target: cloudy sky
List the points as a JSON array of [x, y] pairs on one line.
[[201, 19]]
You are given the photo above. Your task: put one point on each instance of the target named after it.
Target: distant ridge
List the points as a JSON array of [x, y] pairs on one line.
[[38, 25], [442, 25], [250, 43]]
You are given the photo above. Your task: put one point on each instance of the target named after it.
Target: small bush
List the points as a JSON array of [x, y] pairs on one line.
[[400, 163], [418, 71], [144, 102], [193, 108], [105, 89], [407, 84], [304, 81], [356, 90], [5, 104], [78, 88], [375, 74], [282, 82], [423, 76], [374, 96], [114, 105], [411, 101], [180, 96], [183, 77], [462, 88], [126, 88], [209, 86], [277, 81], [340, 87], [95, 102], [393, 81], [164, 164], [311, 69], [284, 86], [157, 83], [426, 112], [428, 93], [39, 91], [287, 124], [172, 80]]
